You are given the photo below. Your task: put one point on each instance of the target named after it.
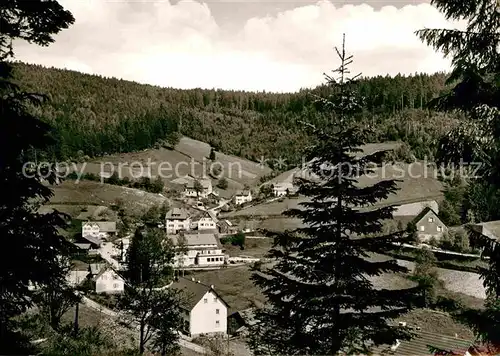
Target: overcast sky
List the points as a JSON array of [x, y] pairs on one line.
[[257, 45]]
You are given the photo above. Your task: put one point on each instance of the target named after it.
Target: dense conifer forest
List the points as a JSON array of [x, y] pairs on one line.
[[94, 115]]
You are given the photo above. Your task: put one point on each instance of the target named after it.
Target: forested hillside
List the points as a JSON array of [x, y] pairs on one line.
[[93, 115]]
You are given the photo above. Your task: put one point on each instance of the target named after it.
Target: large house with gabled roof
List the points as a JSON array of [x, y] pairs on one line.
[[204, 310], [177, 219]]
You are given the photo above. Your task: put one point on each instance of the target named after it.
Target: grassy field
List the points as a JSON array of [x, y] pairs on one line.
[[136, 201], [234, 285], [253, 248], [189, 157], [416, 182]]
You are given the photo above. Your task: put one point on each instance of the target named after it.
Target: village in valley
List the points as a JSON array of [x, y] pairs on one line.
[[223, 233], [182, 178]]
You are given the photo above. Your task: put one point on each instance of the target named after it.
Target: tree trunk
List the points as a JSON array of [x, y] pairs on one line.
[[77, 308], [141, 338]]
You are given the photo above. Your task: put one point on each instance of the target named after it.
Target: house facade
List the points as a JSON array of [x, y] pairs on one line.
[[204, 192], [207, 221], [429, 226], [283, 189], [203, 250], [109, 282], [77, 275], [102, 230], [242, 197], [177, 219], [227, 227], [205, 312]]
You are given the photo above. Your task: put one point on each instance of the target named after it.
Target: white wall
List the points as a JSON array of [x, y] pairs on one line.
[[203, 316], [239, 199], [109, 282], [177, 225], [206, 223], [74, 278]]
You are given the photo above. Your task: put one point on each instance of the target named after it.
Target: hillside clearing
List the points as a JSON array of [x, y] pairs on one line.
[[416, 182], [135, 201]]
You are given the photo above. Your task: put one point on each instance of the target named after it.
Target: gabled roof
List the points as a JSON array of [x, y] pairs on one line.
[[104, 270], [423, 213], [489, 229], [197, 239], [93, 240], [422, 343], [212, 216], [243, 193], [104, 226], [82, 246], [195, 291], [177, 214]]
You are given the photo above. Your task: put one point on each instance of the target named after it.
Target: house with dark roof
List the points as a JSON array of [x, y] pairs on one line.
[[490, 229], [203, 250], [177, 219], [207, 221], [204, 310], [429, 225], [87, 244], [227, 227], [427, 344]]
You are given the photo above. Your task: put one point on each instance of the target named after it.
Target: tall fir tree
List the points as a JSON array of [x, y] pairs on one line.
[[476, 93], [157, 310], [320, 296], [31, 245]]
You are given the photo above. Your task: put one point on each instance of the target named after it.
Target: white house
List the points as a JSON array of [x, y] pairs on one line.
[[206, 188], [109, 282], [207, 221], [176, 220], [99, 229], [243, 196], [205, 312], [282, 189], [203, 250], [78, 274]]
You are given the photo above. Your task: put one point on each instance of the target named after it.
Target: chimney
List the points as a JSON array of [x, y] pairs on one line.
[[199, 282], [192, 278], [402, 324], [212, 286], [456, 336]]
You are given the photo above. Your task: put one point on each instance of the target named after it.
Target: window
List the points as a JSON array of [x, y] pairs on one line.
[[431, 219], [217, 323], [216, 311], [205, 300], [422, 228], [215, 301], [115, 285], [440, 228]]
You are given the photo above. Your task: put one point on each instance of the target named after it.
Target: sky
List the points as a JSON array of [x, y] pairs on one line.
[[278, 46]]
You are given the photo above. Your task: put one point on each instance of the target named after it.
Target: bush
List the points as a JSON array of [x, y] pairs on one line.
[[235, 240], [222, 183]]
